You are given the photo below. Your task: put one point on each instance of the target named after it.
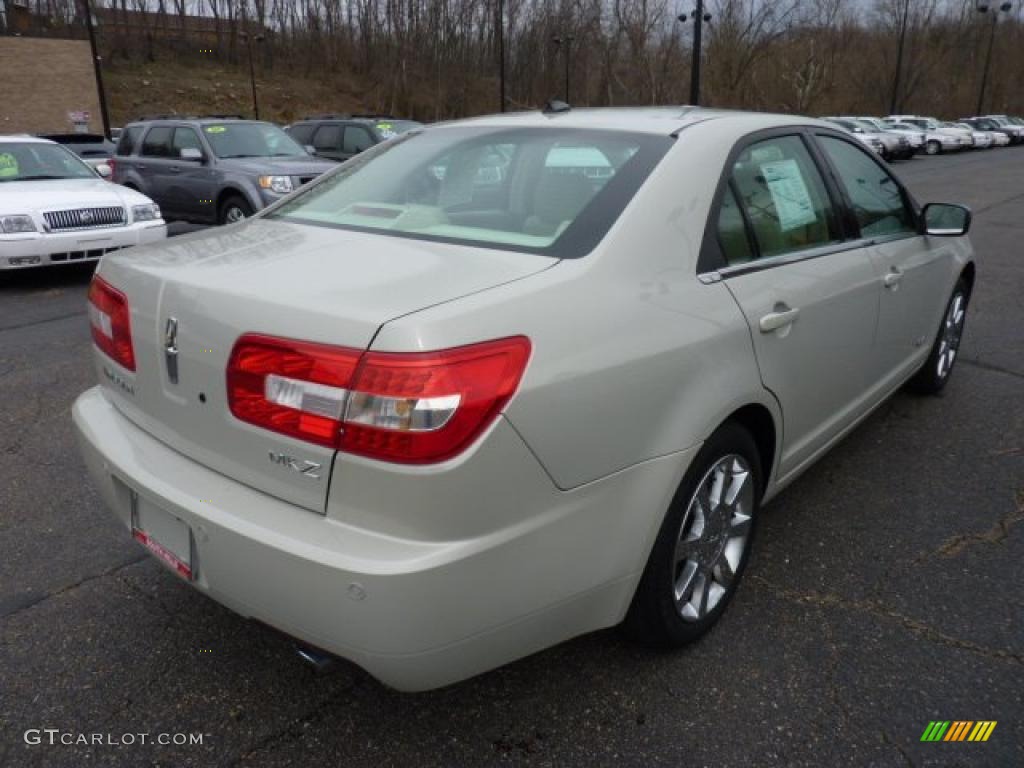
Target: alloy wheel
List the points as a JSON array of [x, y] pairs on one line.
[[713, 537], [234, 214], [952, 330]]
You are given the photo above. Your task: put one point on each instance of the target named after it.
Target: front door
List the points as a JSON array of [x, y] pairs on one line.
[[911, 268]]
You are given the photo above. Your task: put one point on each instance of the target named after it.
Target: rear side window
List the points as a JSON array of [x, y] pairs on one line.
[[157, 142], [876, 197], [327, 137], [732, 231], [129, 140], [302, 133], [784, 197]]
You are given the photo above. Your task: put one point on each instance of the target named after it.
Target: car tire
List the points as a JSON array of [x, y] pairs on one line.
[[935, 373], [932, 147], [686, 584], [235, 208]]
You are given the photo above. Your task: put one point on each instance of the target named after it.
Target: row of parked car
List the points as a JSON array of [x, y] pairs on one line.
[[900, 137], [222, 169]]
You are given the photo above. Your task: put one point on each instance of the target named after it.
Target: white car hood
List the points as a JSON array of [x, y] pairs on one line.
[[58, 194]]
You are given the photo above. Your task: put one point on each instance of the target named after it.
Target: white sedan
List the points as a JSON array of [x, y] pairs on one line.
[[55, 209], [432, 419]]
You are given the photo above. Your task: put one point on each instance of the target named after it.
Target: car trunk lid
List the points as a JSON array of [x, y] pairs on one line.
[[191, 298]]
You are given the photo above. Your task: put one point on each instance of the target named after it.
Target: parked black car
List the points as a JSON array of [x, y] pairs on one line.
[[339, 137], [212, 169]]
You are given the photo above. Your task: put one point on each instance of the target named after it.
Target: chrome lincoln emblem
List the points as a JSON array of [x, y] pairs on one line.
[[86, 217], [171, 348]]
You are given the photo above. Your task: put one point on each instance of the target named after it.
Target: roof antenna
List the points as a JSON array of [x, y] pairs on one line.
[[555, 107]]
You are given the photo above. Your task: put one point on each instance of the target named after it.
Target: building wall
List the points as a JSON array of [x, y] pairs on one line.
[[43, 80]]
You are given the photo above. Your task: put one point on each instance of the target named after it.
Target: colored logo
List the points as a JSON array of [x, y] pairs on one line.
[[958, 730]]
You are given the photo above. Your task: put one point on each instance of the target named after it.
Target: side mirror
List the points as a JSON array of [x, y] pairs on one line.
[[190, 153], [310, 149], [946, 219], [104, 170]]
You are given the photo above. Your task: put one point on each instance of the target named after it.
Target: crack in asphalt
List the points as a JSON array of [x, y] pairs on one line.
[[997, 534], [989, 367], [876, 609], [24, 606], [42, 321], [294, 730]]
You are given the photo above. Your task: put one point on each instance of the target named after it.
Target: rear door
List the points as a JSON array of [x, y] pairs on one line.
[[912, 270], [153, 165], [810, 296]]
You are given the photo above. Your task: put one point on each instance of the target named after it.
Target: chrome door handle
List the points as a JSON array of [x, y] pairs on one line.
[[892, 278], [773, 321]]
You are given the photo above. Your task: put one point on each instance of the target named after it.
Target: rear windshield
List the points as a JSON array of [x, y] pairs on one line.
[[552, 191], [251, 140]]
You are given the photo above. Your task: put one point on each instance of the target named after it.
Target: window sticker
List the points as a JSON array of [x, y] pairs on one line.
[[793, 203], [8, 165], [387, 130], [215, 129]]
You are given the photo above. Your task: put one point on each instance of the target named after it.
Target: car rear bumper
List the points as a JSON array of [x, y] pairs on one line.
[[42, 249], [415, 611]]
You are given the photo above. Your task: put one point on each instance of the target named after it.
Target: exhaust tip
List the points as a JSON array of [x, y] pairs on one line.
[[319, 660]]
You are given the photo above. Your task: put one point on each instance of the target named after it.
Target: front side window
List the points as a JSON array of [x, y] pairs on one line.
[[31, 161], [185, 138], [250, 140], [784, 196], [875, 196], [302, 133], [553, 191]]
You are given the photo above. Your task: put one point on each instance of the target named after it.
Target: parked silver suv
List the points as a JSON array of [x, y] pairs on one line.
[[212, 170]]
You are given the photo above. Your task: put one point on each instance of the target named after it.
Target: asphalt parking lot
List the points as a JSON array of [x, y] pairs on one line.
[[886, 590]]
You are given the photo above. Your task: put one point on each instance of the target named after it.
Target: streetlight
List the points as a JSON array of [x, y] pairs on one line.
[[699, 18], [252, 72], [558, 40], [984, 8], [894, 101]]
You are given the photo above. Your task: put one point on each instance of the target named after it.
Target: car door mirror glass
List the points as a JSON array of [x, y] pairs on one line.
[[310, 149], [190, 153], [946, 219], [104, 170]]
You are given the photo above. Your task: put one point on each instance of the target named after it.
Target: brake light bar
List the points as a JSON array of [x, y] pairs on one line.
[[110, 322], [416, 408]]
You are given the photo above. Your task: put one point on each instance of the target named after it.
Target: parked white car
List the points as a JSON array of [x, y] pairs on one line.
[[915, 137], [55, 209], [432, 421], [935, 143], [982, 139], [965, 139]]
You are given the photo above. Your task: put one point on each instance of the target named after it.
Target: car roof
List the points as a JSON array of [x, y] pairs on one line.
[[24, 138], [191, 119], [663, 121]]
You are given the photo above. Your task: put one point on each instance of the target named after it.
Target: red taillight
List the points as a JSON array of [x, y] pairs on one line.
[[112, 164], [110, 322], [415, 408]]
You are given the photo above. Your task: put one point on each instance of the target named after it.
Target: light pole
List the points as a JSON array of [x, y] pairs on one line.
[[252, 72], [894, 101], [559, 41], [699, 18], [984, 8], [90, 27], [501, 53]]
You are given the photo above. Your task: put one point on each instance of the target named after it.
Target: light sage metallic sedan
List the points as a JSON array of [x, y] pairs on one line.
[[432, 419]]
